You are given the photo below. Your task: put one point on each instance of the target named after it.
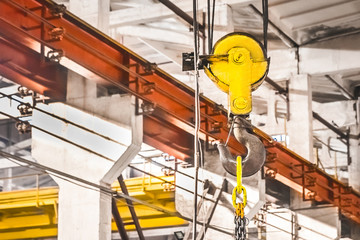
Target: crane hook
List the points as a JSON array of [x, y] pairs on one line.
[[256, 153]]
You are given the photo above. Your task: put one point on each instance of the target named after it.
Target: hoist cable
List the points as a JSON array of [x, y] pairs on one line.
[[230, 131], [265, 8], [197, 113], [208, 26], [212, 26]]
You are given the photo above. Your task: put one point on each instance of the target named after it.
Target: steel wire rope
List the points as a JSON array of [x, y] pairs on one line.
[[302, 226], [280, 229], [64, 120], [197, 121], [140, 96], [52, 172], [96, 133], [104, 57], [265, 7], [94, 186], [119, 196], [91, 151], [210, 42], [168, 182], [59, 173], [212, 26], [101, 55], [210, 23]]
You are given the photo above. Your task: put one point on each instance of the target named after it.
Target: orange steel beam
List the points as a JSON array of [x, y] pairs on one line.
[[41, 26], [26, 66]]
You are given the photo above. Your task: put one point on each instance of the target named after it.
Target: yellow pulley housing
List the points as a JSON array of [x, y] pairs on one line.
[[238, 66]]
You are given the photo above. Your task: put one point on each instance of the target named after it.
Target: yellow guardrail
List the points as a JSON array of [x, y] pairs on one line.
[[33, 213]]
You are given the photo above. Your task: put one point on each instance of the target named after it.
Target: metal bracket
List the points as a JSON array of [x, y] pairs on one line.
[[24, 109], [148, 88], [24, 91], [270, 173], [56, 34], [58, 10], [216, 110], [55, 55], [215, 127], [145, 108], [23, 127], [188, 60], [149, 69]]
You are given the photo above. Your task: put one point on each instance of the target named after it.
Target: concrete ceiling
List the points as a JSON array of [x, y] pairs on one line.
[[156, 33]]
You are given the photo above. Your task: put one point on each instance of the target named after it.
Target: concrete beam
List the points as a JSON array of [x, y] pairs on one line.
[[146, 14], [340, 54], [172, 55], [300, 124], [283, 64], [95, 12], [330, 112], [18, 146], [155, 34]]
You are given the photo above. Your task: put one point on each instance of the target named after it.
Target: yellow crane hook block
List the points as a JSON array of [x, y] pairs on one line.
[[238, 66]]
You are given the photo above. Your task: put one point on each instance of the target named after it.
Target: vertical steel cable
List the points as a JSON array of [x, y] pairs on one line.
[[265, 8], [212, 27], [209, 27], [197, 113], [210, 24]]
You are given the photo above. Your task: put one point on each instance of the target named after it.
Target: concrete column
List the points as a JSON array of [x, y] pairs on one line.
[[299, 127], [85, 213], [95, 12], [354, 167], [300, 124]]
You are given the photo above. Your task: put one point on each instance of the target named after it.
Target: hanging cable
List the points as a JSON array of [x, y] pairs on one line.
[[212, 27], [197, 114], [95, 153], [92, 132], [265, 8], [210, 24]]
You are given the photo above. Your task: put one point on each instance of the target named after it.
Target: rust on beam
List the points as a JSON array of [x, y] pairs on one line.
[[24, 66]]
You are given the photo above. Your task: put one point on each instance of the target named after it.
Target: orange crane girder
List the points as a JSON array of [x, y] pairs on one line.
[[45, 27]]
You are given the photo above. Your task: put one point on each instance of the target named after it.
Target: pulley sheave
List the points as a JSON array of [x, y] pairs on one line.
[[238, 65]]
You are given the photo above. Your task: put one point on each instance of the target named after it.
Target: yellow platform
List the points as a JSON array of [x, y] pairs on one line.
[[33, 213]]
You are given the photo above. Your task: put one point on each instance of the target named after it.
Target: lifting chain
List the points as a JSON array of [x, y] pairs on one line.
[[240, 219]]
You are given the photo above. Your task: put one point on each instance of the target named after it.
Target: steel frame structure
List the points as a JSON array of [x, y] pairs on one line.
[[39, 37]]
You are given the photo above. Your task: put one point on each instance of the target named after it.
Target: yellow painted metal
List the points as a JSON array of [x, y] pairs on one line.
[[239, 207], [32, 213], [28, 213], [241, 72]]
